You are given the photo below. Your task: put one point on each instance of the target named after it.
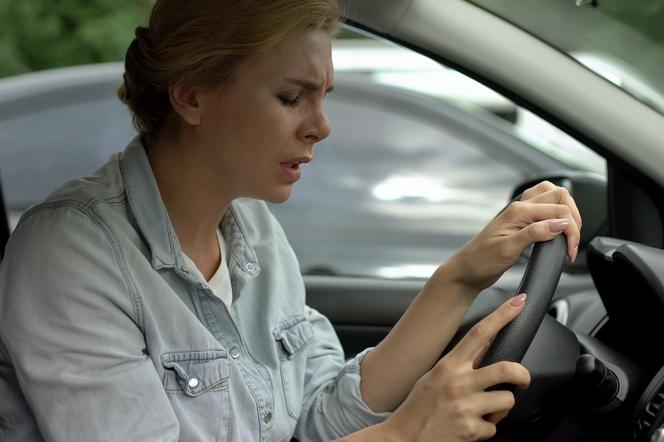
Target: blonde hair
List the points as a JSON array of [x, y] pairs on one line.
[[202, 42]]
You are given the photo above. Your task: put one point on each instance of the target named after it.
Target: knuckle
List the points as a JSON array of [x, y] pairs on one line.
[[442, 368], [490, 431], [455, 389], [460, 410], [478, 331], [525, 374], [469, 430], [505, 369], [514, 208], [511, 401], [547, 185], [535, 230], [518, 373], [565, 211]]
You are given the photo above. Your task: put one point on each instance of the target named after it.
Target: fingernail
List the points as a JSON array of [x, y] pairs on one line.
[[558, 225], [574, 253], [518, 300]]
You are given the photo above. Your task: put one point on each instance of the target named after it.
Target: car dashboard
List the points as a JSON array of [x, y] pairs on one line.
[[630, 282]]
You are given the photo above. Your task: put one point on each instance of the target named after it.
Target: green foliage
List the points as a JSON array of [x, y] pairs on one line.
[[42, 34]]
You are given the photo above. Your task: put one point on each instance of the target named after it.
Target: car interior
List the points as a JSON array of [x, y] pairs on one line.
[[600, 377], [597, 369]]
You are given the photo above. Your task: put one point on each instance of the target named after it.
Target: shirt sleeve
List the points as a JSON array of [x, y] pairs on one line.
[[73, 335], [333, 406]]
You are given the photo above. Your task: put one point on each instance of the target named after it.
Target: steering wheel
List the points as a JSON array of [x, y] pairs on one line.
[[539, 281]]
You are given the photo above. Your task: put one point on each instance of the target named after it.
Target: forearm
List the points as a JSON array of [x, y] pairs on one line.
[[379, 432], [416, 342]]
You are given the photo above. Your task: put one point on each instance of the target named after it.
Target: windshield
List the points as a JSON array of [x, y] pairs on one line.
[[623, 41]]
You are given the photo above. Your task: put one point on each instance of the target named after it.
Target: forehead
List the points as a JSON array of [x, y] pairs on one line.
[[307, 56]]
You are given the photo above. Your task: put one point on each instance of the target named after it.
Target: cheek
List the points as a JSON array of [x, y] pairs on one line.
[[271, 127]]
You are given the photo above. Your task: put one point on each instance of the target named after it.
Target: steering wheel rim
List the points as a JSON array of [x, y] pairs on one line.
[[539, 281]]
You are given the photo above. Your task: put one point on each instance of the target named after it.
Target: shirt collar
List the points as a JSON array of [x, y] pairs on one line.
[[154, 223], [147, 207]]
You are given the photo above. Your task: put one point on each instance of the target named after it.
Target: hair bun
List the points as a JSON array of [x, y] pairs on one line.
[[142, 35], [142, 90]]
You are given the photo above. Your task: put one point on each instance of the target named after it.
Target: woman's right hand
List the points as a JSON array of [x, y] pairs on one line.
[[449, 403]]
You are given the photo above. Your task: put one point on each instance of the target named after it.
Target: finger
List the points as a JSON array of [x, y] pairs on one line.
[[525, 212], [481, 354], [539, 188], [546, 230], [559, 195], [494, 418], [475, 429], [503, 372], [481, 333], [487, 402]]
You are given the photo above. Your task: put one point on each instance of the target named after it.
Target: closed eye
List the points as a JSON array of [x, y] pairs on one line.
[[290, 100]]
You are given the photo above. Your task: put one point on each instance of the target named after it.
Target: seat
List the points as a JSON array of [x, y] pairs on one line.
[[4, 224]]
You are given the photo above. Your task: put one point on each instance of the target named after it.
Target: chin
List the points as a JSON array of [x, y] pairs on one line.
[[278, 196]]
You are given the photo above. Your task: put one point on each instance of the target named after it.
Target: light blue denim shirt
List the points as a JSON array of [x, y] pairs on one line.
[[105, 334]]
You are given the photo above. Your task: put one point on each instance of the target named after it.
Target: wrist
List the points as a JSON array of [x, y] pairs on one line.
[[391, 431], [383, 431], [452, 275]]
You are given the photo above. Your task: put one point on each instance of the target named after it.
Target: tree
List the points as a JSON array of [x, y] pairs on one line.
[[42, 34]]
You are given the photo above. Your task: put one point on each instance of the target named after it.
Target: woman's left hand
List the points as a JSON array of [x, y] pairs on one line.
[[544, 211]]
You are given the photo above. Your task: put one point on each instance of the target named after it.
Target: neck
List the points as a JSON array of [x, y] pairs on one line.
[[194, 200]]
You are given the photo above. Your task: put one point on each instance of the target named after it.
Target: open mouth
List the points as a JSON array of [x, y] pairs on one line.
[[292, 167]]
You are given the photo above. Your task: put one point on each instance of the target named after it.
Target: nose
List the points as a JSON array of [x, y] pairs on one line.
[[317, 128]]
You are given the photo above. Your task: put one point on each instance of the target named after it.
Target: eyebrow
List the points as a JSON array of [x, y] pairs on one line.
[[308, 84]]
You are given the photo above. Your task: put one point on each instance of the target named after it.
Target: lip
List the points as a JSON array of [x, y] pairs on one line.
[[291, 168], [298, 160]]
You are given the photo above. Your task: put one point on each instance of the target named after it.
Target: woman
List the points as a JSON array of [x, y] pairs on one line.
[[160, 300]]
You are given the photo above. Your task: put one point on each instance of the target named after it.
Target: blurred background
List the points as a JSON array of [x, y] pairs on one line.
[[421, 156]]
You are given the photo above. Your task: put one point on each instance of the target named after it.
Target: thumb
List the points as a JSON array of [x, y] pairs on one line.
[[540, 231]]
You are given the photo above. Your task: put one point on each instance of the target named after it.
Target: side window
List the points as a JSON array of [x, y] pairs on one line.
[[84, 130], [411, 170], [395, 189]]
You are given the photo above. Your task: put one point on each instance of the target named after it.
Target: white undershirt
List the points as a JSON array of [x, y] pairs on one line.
[[220, 283]]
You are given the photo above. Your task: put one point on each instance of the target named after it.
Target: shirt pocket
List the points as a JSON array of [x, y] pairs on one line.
[[291, 336], [197, 383]]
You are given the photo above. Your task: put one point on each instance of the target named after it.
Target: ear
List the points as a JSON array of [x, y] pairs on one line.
[[185, 101]]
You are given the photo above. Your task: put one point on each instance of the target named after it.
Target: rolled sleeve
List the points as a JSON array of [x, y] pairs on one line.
[[333, 405]]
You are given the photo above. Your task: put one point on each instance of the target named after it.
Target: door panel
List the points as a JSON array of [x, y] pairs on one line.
[[363, 310]]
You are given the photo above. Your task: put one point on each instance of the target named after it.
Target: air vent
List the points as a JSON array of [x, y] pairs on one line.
[[651, 406]]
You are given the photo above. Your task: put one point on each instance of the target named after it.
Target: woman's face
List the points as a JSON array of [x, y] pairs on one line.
[[255, 133]]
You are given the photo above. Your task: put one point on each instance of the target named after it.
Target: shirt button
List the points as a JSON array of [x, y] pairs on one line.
[[251, 266], [193, 383], [235, 352], [267, 417]]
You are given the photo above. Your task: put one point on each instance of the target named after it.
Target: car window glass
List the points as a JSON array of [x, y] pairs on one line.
[[389, 193], [82, 133]]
